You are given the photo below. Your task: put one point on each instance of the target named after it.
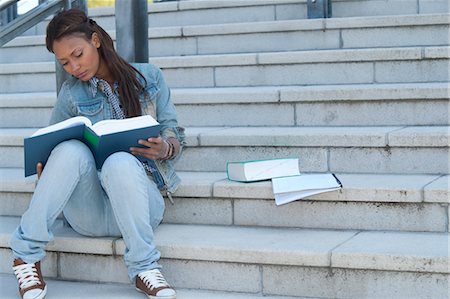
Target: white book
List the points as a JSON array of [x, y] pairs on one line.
[[259, 170], [288, 189]]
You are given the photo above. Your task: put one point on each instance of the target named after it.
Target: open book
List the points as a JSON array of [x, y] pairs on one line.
[[287, 189], [258, 170], [103, 138]]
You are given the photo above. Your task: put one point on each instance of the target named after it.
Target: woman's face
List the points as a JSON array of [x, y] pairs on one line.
[[78, 56]]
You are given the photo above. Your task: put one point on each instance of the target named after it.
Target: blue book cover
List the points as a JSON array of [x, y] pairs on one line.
[[122, 135]]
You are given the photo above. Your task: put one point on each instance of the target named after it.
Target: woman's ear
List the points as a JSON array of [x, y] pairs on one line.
[[95, 40]]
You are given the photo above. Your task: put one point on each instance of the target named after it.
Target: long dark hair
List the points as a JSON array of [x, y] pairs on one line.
[[75, 22]]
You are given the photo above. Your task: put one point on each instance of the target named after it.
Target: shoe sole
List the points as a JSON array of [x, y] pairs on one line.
[[156, 297], [42, 295]]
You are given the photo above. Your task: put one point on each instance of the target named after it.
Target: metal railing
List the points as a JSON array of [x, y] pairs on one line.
[[14, 25], [132, 30], [8, 11]]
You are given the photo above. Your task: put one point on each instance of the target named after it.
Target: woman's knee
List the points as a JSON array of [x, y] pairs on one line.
[[72, 149], [121, 163]]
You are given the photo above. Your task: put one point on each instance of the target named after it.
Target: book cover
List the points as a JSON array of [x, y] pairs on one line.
[[259, 170], [288, 189], [103, 138]]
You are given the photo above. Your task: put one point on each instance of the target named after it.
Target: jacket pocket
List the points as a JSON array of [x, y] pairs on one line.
[[91, 108]]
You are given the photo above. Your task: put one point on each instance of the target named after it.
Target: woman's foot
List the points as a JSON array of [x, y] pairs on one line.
[[153, 284], [31, 282]]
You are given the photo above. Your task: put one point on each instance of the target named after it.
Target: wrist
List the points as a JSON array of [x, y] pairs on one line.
[[167, 149], [170, 152]]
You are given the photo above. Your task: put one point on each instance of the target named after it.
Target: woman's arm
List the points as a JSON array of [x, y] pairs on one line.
[[169, 144]]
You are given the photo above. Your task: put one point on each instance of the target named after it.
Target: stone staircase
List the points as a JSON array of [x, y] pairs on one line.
[[364, 94]]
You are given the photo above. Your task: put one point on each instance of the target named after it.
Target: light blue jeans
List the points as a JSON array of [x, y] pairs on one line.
[[121, 200]]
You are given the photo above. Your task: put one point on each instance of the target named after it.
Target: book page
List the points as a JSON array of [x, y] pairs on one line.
[[283, 198], [71, 122], [304, 182], [120, 125]]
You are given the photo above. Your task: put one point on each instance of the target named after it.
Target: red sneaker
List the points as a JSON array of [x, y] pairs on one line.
[[153, 284], [29, 276]]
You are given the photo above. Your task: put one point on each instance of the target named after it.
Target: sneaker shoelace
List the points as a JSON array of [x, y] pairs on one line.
[[153, 279], [27, 275]]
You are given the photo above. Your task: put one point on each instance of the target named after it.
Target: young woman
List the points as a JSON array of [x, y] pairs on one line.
[[123, 198]]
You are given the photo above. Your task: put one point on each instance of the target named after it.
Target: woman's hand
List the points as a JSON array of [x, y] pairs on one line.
[[155, 148]]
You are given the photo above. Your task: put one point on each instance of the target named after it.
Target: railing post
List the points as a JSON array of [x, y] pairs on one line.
[[61, 74], [319, 9], [132, 30]]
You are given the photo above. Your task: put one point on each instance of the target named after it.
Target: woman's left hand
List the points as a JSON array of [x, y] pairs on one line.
[[155, 148]]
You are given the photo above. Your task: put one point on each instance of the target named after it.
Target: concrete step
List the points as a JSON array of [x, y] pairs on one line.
[[332, 105], [326, 67], [182, 13], [412, 150], [267, 261], [337, 149], [367, 202], [185, 13], [67, 289], [26, 109], [320, 149], [270, 36], [198, 12]]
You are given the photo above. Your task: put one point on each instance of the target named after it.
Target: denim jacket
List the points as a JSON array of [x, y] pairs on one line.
[[76, 98]]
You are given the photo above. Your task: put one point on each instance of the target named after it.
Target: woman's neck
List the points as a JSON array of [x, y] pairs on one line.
[[104, 73]]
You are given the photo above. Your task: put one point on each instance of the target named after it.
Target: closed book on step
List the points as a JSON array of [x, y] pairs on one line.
[[259, 170]]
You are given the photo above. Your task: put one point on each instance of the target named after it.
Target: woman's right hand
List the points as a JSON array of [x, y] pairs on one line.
[[39, 169]]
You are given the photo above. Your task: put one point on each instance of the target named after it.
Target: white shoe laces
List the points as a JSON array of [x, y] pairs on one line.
[[27, 275], [153, 279]]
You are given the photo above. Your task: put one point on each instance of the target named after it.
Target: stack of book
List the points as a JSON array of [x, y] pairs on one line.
[[288, 184]]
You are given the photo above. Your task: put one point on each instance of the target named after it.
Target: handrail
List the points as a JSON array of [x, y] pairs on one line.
[[31, 18]]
